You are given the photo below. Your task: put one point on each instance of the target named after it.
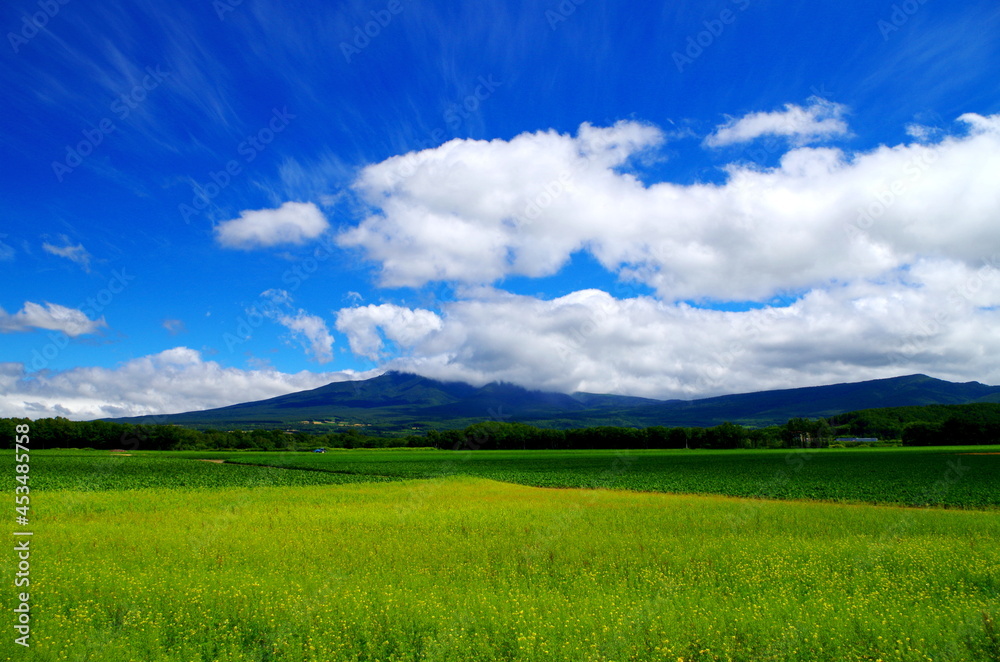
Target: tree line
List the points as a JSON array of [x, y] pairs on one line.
[[519, 436], [933, 425], [927, 425]]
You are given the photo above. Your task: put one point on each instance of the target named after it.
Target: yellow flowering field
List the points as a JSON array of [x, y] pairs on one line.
[[464, 568]]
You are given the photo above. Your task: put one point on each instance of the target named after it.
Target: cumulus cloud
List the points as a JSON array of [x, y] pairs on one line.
[[77, 253], [309, 330], [889, 257], [819, 120], [291, 223], [175, 380], [937, 317], [402, 326], [312, 332], [475, 212], [50, 316]]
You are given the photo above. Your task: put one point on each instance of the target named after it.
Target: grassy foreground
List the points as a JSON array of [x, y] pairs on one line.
[[465, 568]]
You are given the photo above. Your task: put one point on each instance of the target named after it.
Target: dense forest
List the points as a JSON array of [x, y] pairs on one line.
[[931, 425]]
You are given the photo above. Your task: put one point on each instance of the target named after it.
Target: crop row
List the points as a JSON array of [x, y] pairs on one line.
[[919, 477], [96, 471], [956, 478]]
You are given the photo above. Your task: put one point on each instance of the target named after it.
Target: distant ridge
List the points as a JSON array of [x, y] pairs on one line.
[[397, 401], [766, 407]]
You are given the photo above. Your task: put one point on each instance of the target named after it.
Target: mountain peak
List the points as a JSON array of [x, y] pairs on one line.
[[396, 401]]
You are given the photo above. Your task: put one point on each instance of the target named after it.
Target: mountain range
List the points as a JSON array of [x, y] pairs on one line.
[[396, 402]]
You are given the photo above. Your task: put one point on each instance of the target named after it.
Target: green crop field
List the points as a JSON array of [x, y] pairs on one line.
[[161, 557], [94, 471], [963, 477]]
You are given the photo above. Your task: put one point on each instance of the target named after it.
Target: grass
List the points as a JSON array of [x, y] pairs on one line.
[[464, 568], [423, 555], [96, 471], [945, 477]]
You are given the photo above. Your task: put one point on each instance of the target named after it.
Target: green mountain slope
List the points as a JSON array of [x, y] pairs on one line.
[[768, 407], [397, 402]]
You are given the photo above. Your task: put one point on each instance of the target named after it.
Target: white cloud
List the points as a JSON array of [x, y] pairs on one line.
[[174, 326], [475, 212], [819, 120], [50, 316], [937, 317], [923, 133], [6, 252], [291, 223], [77, 254], [175, 380], [309, 330], [312, 334], [319, 179], [277, 297], [400, 325]]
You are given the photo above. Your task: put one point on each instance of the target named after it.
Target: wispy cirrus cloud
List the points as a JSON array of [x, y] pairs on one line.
[[74, 253], [174, 326], [7, 252]]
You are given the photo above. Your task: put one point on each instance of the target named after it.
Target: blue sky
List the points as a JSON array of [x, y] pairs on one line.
[[209, 202]]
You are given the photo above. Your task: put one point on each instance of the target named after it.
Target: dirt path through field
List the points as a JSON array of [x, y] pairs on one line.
[[213, 461]]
